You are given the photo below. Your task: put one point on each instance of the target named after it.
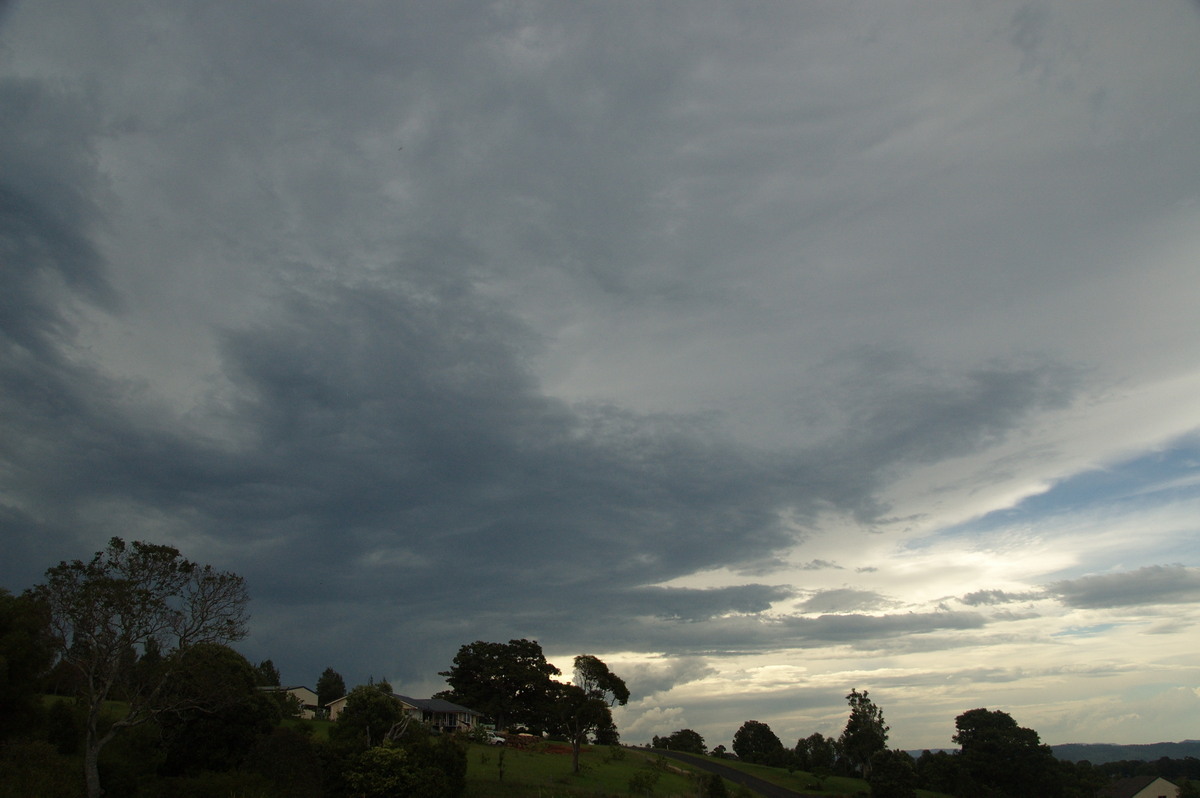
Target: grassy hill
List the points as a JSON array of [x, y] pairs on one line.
[[544, 771], [802, 781]]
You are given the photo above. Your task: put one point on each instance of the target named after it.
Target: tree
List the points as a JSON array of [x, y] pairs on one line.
[[370, 718], [266, 674], [586, 705], [686, 740], [755, 742], [865, 732], [816, 752], [222, 712], [509, 682], [103, 613], [892, 775], [419, 770], [998, 757], [25, 656], [330, 686]]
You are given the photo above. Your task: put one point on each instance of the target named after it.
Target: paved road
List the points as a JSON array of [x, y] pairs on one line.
[[764, 788]]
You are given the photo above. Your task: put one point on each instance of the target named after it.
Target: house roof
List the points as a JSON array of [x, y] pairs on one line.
[[1129, 787], [433, 704]]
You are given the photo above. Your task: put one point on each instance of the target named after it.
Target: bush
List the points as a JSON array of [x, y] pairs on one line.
[[37, 768], [233, 783]]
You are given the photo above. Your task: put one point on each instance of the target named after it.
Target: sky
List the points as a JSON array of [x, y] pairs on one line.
[[765, 350]]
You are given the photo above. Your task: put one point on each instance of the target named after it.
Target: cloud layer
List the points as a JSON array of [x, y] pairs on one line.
[[709, 340]]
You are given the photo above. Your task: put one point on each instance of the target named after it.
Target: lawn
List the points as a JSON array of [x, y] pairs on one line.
[[544, 771], [802, 781]]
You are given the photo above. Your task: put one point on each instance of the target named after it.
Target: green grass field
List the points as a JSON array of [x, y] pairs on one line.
[[801, 781], [544, 771]]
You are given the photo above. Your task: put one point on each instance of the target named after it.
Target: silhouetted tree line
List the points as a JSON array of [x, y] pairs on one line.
[[996, 758], [116, 678]]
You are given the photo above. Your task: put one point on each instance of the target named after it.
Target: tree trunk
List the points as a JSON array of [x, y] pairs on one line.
[[91, 766]]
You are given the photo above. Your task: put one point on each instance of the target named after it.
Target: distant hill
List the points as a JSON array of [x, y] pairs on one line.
[[1099, 753]]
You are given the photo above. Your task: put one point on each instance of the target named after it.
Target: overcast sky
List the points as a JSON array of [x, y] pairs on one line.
[[764, 350]]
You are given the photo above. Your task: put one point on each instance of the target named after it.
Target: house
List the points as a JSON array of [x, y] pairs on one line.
[[306, 697], [1140, 787], [436, 713], [439, 714]]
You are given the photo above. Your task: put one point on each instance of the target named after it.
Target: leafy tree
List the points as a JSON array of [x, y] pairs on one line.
[[104, 612], [509, 682], [719, 752], [685, 740], [892, 775], [755, 742], [940, 772], [423, 769], [330, 686], [816, 751], [585, 706], [266, 674], [25, 657], [222, 712], [865, 732], [1000, 758], [369, 718]]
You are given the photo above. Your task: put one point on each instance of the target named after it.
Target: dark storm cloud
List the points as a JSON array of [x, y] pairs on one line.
[[1155, 584], [385, 447], [48, 188], [372, 448]]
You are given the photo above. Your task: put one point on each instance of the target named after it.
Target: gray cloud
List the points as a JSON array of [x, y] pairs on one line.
[[443, 323], [1155, 584], [820, 565], [993, 597], [844, 600]]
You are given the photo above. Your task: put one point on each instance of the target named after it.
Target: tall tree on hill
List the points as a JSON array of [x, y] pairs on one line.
[[586, 705], [865, 732], [755, 742], [509, 682], [104, 612], [330, 685], [1001, 758]]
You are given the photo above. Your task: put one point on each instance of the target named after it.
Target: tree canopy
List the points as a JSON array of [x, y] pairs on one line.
[[220, 712], [585, 706], [685, 740], [998, 755], [509, 682], [865, 732], [369, 718], [330, 685], [130, 600], [25, 656], [755, 742]]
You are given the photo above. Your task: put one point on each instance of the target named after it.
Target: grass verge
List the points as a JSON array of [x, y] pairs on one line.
[[544, 771]]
